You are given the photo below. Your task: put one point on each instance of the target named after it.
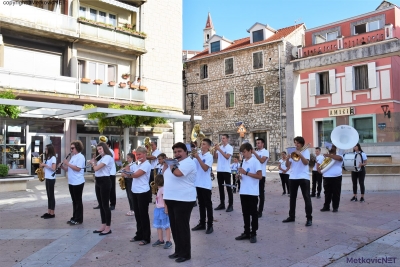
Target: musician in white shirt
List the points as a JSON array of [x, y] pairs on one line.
[[360, 176], [333, 181], [316, 176], [262, 156], [284, 173]]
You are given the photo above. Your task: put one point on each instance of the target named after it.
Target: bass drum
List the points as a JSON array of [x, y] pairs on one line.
[[351, 161]]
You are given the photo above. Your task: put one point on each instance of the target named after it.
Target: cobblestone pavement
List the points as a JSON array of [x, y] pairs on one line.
[[357, 233]]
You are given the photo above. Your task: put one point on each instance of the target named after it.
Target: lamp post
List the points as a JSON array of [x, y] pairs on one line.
[[191, 97]]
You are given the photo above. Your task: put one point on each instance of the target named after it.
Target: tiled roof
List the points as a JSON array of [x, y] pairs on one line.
[[245, 42]]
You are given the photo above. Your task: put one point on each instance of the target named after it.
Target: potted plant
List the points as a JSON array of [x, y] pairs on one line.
[[133, 86], [143, 88], [122, 85], [85, 80], [3, 170], [125, 76], [98, 81], [111, 83]]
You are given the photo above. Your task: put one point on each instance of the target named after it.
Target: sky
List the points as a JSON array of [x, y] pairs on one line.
[[232, 18]]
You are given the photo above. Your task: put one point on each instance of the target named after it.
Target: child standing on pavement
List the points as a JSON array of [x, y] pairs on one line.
[[161, 219]]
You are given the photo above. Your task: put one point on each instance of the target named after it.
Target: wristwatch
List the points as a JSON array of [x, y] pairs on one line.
[[173, 169], [247, 173]]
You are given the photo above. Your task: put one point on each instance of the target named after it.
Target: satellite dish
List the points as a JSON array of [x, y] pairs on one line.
[[294, 52]]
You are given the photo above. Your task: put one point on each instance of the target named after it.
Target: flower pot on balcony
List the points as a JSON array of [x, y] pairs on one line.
[[85, 80], [98, 81], [122, 85], [125, 76], [111, 83], [133, 86], [143, 88]]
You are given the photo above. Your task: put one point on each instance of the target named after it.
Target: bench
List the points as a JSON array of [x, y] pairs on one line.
[[14, 183]]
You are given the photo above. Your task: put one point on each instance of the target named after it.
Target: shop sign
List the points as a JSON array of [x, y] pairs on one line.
[[381, 126], [341, 111], [242, 130]]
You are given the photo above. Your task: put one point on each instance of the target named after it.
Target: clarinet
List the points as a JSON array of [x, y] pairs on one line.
[[54, 173], [239, 175]]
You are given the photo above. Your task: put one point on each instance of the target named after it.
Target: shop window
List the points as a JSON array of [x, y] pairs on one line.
[[203, 71], [257, 60], [258, 35], [259, 95], [230, 99], [324, 129], [365, 129], [215, 46], [361, 77], [228, 66], [204, 102]]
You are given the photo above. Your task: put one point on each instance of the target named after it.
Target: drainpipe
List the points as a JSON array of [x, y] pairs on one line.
[[280, 94]]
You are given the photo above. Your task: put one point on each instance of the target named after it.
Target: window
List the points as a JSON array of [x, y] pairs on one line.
[[365, 129], [330, 36], [367, 27], [228, 66], [96, 15], [98, 71], [230, 99], [326, 37], [102, 17], [258, 36], [81, 69], [373, 25], [82, 11], [259, 95], [215, 46], [361, 77], [204, 102], [92, 70], [112, 19], [323, 83], [257, 60], [203, 71], [324, 130], [93, 14], [111, 73]]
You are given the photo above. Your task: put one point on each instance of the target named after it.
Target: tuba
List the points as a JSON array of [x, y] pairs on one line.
[[103, 139], [39, 171], [197, 135], [121, 181]]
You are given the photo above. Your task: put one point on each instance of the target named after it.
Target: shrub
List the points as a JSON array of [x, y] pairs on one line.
[[3, 170]]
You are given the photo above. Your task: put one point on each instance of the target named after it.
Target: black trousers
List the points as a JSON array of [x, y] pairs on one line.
[[360, 176], [77, 207], [224, 178], [250, 214], [113, 195], [234, 182], [51, 201], [333, 188], [316, 182], [304, 185], [129, 194], [285, 181], [141, 209], [205, 205], [179, 217], [261, 196], [103, 187]]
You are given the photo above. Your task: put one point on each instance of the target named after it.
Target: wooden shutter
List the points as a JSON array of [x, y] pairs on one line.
[[332, 81], [201, 71], [371, 75], [227, 99], [349, 76], [312, 83]]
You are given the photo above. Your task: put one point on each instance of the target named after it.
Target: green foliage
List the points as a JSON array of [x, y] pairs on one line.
[[3, 170], [7, 110], [124, 121]]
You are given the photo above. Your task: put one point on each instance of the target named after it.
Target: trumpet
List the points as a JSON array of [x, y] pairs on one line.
[[194, 152], [212, 150], [89, 164]]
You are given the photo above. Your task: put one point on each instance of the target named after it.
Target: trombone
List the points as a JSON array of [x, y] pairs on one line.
[[274, 166]]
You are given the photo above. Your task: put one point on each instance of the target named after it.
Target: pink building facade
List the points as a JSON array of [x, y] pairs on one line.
[[348, 73]]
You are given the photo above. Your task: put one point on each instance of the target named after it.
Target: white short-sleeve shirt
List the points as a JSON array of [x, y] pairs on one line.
[[141, 184], [249, 185], [318, 160], [106, 170], [298, 170], [76, 177], [203, 178], [181, 188], [335, 170], [49, 171], [263, 153], [283, 165], [223, 164], [113, 168], [154, 162]]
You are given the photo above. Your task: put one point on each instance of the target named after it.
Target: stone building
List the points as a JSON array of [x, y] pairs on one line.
[[241, 82]]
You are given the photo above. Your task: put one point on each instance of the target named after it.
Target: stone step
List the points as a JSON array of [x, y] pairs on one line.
[[380, 169]]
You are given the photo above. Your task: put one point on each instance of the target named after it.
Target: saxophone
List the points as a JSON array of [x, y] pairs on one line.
[[39, 171], [154, 188]]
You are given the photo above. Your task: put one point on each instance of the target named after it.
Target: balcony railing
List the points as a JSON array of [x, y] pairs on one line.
[[30, 16], [344, 43], [17, 80], [110, 92]]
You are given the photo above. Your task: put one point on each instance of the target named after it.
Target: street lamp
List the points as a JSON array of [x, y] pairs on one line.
[[191, 97]]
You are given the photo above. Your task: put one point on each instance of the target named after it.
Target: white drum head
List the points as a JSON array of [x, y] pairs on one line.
[[344, 137]]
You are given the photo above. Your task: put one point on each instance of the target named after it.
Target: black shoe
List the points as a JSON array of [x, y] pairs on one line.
[[50, 216], [353, 199], [335, 210], [97, 207], [220, 207], [362, 199], [325, 209], [109, 232], [259, 214], [312, 195], [229, 209], [234, 191], [74, 223], [173, 256], [284, 193], [180, 259], [97, 232], [253, 239], [199, 227], [243, 237], [195, 204], [309, 223], [209, 230], [289, 219], [318, 196], [112, 207], [44, 215]]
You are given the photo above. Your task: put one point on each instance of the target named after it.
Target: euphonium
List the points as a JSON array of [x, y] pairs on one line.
[[296, 157], [147, 144], [197, 135], [121, 181], [103, 139], [154, 188], [39, 171]]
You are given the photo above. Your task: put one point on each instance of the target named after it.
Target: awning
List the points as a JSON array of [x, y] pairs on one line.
[[34, 109]]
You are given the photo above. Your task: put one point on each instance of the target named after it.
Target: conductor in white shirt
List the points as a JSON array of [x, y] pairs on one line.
[[262, 156]]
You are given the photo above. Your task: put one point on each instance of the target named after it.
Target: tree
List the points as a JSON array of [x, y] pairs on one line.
[[8, 110]]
